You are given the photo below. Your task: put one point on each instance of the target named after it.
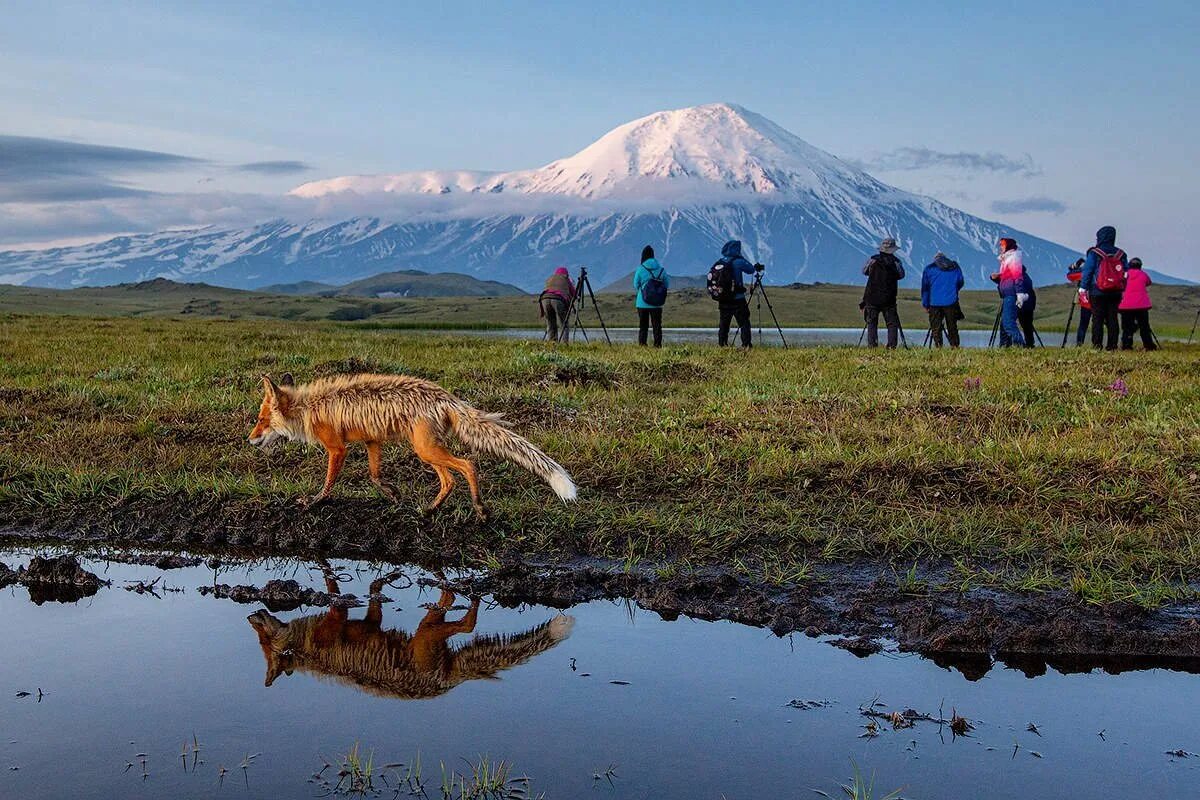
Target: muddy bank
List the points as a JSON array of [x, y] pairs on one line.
[[861, 602], [967, 631]]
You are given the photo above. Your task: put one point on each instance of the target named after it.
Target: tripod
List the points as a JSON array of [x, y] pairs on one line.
[[1193, 333], [760, 292], [580, 301], [1070, 316], [899, 326], [929, 334]]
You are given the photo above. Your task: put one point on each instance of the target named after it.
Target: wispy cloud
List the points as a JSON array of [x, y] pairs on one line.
[[1030, 205], [274, 167], [40, 170], [909, 159]]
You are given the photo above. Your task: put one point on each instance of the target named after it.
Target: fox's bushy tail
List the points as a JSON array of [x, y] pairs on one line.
[[488, 433]]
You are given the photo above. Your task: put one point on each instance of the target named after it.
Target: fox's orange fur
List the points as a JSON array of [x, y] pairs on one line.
[[393, 663], [373, 409]]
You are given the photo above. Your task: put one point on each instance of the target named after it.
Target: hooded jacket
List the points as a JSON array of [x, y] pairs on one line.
[[559, 285], [884, 272], [940, 282], [731, 254], [650, 268], [1106, 242], [1137, 296]]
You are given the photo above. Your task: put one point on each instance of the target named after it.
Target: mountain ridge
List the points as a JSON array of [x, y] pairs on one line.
[[685, 181]]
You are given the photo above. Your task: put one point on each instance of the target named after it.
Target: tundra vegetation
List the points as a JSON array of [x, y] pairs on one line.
[[1028, 470]]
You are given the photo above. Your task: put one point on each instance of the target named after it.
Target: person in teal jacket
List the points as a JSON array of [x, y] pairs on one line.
[[650, 308]]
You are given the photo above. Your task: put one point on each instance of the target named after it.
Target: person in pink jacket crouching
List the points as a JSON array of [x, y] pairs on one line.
[[1135, 307]]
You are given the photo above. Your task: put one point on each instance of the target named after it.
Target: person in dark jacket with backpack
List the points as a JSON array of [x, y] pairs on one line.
[[884, 273], [650, 282], [735, 306], [1104, 280], [940, 283], [1026, 305]]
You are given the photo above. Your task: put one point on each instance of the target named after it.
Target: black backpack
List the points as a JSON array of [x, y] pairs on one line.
[[721, 284], [654, 291]]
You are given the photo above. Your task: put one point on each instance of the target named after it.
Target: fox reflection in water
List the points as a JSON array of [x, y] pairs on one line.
[[394, 663]]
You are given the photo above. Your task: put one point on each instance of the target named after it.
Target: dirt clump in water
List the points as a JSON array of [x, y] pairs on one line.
[[281, 595], [55, 579]]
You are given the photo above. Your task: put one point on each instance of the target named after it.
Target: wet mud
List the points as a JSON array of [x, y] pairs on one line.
[[862, 603]]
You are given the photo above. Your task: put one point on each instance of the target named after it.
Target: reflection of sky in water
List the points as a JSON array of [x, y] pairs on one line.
[[703, 715]]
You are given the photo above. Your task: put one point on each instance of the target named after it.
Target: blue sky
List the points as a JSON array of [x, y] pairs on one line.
[[1055, 117]]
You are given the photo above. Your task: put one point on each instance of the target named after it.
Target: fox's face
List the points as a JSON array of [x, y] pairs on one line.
[[272, 425], [273, 639]]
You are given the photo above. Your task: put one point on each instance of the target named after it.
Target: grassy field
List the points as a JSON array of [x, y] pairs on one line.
[[1043, 477], [823, 305]]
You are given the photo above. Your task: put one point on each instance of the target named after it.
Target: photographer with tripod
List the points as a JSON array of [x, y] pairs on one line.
[[554, 304], [727, 286], [884, 273]]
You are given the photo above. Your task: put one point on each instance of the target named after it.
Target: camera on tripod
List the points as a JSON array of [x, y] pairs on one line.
[[758, 268]]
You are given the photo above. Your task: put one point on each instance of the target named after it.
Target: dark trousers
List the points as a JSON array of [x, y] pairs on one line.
[[1085, 316], [1025, 320], [1104, 316], [1139, 321], [890, 317], [646, 318], [946, 316], [740, 311], [557, 314]]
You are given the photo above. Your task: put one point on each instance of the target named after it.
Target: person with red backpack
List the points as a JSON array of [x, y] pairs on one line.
[[1103, 277], [1135, 307]]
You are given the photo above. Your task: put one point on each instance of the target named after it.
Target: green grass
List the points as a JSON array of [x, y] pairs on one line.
[[822, 305], [774, 460]]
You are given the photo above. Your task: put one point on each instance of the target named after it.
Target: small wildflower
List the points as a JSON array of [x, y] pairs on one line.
[[973, 384], [1119, 386]]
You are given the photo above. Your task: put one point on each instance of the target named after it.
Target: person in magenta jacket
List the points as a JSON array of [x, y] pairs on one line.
[[1135, 307]]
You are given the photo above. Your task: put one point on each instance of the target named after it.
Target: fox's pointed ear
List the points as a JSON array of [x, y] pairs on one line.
[[269, 387], [287, 380]]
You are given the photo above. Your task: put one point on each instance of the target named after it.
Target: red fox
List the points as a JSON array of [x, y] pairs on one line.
[[374, 409], [394, 663]]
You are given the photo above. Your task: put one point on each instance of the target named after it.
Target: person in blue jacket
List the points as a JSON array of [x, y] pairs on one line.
[[1105, 304], [940, 284], [648, 313], [731, 254]]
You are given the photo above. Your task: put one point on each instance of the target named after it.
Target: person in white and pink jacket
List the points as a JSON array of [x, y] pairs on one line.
[[1012, 269]]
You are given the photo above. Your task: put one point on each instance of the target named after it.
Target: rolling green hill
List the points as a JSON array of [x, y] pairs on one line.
[[402, 283]]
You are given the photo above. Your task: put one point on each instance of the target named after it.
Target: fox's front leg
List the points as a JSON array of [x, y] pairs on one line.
[[337, 457]]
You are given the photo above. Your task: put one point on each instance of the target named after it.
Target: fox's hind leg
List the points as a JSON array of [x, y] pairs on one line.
[[375, 463], [430, 450]]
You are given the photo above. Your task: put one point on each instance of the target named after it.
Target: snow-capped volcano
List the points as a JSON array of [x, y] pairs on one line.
[[667, 155], [684, 181]]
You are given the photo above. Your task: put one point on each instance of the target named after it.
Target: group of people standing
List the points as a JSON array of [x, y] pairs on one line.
[[1112, 290]]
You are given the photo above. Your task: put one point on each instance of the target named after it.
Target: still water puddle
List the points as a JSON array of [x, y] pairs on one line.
[[606, 700]]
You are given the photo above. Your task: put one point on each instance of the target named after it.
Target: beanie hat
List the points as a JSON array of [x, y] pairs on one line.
[[647, 253], [1135, 263], [561, 271]]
